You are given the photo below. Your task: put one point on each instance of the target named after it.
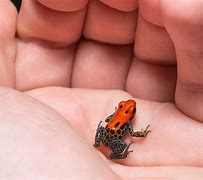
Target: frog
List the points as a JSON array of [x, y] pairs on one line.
[[118, 124]]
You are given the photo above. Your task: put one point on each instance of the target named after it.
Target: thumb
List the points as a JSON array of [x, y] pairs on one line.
[[41, 22]]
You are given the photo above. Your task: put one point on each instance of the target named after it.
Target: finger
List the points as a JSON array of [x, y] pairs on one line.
[[153, 44], [47, 59], [186, 32], [109, 25], [40, 23], [42, 144], [39, 66], [150, 11], [171, 133], [8, 16], [106, 67], [152, 75], [164, 172]]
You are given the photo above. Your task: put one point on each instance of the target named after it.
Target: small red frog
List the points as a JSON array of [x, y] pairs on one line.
[[117, 126]]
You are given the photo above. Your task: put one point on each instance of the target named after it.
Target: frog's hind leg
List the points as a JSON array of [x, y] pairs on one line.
[[120, 151], [99, 134]]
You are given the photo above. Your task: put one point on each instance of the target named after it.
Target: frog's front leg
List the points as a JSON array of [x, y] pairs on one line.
[[120, 150], [99, 134], [141, 133], [109, 118]]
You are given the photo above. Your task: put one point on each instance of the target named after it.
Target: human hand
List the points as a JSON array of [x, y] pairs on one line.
[[46, 145]]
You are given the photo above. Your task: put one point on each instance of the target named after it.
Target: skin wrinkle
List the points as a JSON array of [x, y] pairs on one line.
[[193, 89], [104, 62], [194, 54]]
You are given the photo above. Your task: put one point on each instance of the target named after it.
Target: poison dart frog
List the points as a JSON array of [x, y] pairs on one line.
[[118, 124]]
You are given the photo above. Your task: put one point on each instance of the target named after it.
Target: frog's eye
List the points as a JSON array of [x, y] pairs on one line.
[[121, 104], [126, 112], [134, 110]]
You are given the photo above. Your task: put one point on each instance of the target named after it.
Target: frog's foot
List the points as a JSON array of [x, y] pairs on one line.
[[126, 152], [146, 131], [116, 156], [143, 132], [119, 155]]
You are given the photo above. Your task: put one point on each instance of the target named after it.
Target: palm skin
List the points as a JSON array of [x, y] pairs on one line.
[[48, 132]]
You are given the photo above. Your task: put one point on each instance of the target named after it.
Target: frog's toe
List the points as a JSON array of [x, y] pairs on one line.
[[130, 151], [99, 124]]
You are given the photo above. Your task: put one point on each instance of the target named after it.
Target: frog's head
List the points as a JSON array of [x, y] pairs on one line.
[[127, 108]]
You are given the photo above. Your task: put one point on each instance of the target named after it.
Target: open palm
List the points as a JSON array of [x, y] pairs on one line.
[[48, 130]]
